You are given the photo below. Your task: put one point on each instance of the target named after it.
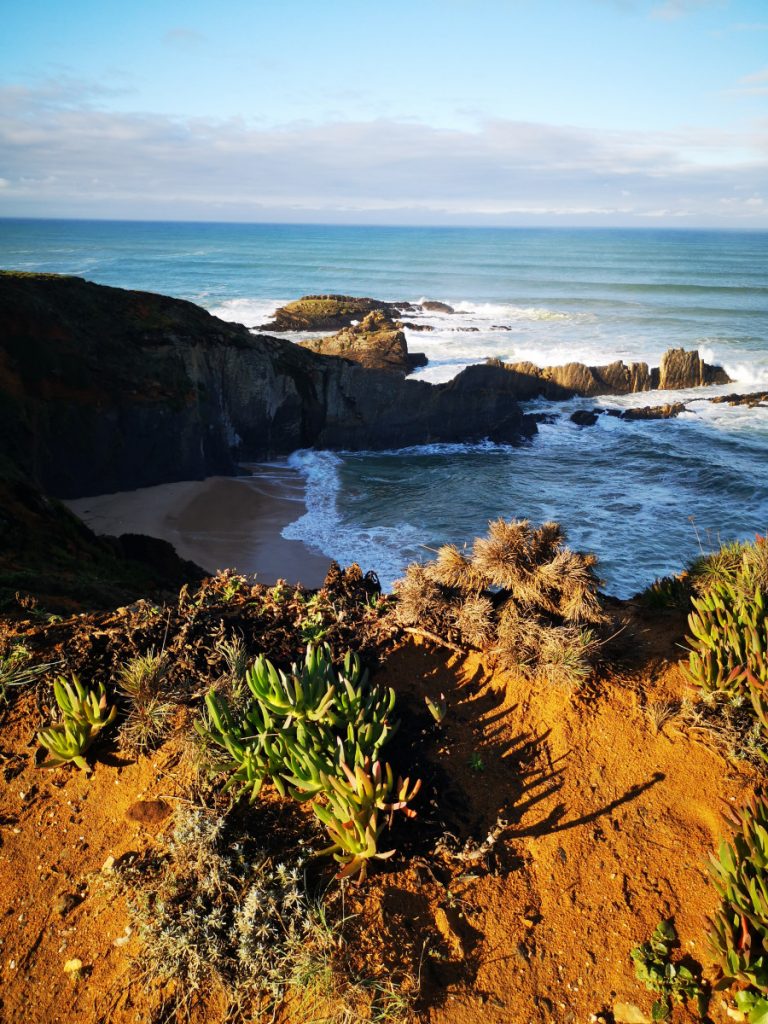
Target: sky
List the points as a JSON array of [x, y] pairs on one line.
[[553, 112]]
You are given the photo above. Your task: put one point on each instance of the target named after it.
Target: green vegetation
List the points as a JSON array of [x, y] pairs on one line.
[[316, 734], [84, 714], [144, 681], [674, 982], [739, 936], [728, 640]]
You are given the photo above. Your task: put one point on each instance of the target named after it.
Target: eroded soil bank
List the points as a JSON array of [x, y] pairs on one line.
[[555, 828]]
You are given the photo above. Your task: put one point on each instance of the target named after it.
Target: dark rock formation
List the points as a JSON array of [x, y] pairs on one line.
[[585, 417], [679, 369], [654, 412], [329, 312], [432, 306], [589, 417], [377, 343], [753, 399], [103, 389]]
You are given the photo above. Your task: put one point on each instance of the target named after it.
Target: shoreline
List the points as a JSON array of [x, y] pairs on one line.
[[218, 523]]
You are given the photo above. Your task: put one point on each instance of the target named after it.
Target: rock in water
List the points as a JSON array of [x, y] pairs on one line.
[[681, 369], [329, 312], [377, 343]]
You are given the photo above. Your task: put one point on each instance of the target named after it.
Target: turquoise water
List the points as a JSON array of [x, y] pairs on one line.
[[636, 493]]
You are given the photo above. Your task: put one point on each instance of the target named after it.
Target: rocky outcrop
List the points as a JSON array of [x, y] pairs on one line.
[[681, 369], [433, 306], [678, 369], [377, 343], [329, 312], [103, 389], [752, 399], [589, 417]]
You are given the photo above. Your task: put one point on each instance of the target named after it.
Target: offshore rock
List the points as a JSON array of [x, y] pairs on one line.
[[329, 312], [433, 306], [679, 369], [377, 343], [103, 389]]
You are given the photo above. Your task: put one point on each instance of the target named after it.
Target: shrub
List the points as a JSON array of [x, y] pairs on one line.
[[144, 681], [739, 934], [674, 982], [520, 593]]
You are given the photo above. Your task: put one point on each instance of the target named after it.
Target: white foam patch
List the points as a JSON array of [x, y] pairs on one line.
[[251, 312], [385, 549]]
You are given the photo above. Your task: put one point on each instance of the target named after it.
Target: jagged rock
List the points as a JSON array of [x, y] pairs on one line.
[[585, 417], [681, 369], [329, 312], [432, 306], [752, 400], [654, 412], [377, 343], [417, 327]]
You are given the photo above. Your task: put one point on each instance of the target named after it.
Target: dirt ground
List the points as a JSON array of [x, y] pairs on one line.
[[555, 829]]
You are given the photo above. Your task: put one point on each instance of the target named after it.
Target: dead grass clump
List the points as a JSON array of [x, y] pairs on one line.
[[453, 569], [522, 595], [474, 620], [421, 601]]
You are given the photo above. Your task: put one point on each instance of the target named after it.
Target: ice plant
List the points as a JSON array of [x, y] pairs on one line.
[[84, 713]]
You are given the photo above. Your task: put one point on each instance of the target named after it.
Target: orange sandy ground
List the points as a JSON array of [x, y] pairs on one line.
[[610, 823]]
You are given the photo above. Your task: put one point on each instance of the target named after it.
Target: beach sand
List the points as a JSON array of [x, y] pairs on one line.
[[219, 523]]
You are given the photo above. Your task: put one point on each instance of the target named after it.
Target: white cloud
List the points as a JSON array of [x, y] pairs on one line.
[[64, 156]]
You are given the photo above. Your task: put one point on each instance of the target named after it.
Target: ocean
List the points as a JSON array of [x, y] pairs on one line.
[[646, 497]]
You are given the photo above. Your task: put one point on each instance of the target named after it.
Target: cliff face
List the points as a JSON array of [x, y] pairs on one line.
[[103, 389]]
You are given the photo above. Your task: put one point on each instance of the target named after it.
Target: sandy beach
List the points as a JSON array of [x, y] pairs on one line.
[[219, 523]]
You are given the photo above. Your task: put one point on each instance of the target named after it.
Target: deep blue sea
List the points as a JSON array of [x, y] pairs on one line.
[[643, 496]]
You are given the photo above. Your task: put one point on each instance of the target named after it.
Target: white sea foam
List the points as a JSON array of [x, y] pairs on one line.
[[251, 312], [386, 549]]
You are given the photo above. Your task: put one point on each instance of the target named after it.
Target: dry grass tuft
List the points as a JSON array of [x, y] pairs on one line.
[[144, 681], [474, 620], [420, 601], [522, 594], [453, 569]]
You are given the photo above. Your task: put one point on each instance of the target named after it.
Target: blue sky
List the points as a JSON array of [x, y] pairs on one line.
[[648, 112]]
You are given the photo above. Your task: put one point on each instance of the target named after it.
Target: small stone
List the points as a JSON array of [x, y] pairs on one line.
[[73, 966], [65, 902], [628, 1013], [735, 1014], [108, 865], [148, 812]]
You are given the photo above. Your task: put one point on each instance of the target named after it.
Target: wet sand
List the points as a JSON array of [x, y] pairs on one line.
[[219, 523]]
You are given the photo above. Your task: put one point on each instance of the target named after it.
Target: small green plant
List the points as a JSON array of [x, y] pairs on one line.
[[438, 709], [351, 809], [16, 670], [739, 935], [675, 983], [84, 714], [476, 763]]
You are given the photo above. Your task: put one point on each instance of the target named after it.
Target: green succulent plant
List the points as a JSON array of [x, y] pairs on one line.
[[353, 802], [739, 935], [729, 628], [674, 982], [316, 732], [84, 713]]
